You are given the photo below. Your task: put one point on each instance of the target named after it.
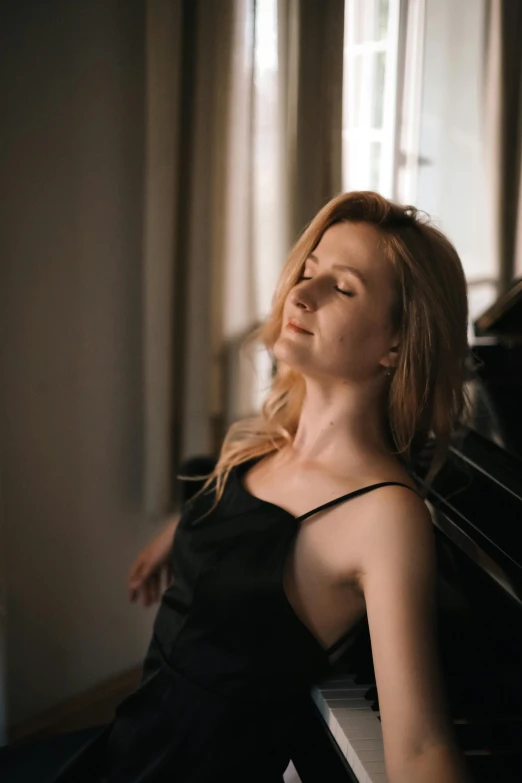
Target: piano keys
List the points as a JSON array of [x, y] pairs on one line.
[[349, 713]]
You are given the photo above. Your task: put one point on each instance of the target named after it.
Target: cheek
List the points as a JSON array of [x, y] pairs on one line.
[[352, 327], [360, 332]]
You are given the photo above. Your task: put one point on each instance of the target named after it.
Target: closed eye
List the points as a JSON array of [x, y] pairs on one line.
[[345, 293]]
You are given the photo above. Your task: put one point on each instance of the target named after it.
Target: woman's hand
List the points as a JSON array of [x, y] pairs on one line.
[[152, 567]]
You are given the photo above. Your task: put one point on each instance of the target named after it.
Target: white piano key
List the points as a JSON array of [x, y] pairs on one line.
[[372, 750], [359, 770], [365, 744], [366, 756], [341, 739], [373, 768], [357, 716], [331, 721], [356, 728], [334, 704], [354, 705], [360, 732]]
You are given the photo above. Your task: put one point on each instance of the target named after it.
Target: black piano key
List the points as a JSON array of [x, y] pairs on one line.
[[365, 676]]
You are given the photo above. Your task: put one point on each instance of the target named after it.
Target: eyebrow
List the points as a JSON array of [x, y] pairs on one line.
[[355, 272]]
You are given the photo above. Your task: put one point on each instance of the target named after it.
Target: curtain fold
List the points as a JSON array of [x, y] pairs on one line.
[[312, 58], [244, 140], [286, 163], [503, 133], [188, 78]]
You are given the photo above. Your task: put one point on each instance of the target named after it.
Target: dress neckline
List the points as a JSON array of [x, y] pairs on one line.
[[239, 473], [323, 652]]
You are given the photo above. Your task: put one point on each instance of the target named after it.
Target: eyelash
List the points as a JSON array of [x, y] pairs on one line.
[[345, 293]]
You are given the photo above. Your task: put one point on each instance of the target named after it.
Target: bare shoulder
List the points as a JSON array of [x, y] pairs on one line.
[[398, 529], [376, 530]]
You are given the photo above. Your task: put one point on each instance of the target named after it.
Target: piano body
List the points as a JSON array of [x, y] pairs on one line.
[[476, 506]]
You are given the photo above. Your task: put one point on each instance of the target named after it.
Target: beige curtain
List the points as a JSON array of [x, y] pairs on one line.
[[503, 133], [188, 75], [242, 150], [312, 35]]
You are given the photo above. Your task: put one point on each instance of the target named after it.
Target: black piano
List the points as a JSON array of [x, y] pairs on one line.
[[476, 505]]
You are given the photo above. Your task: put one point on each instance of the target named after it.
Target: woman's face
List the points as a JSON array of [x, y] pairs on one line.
[[347, 311]]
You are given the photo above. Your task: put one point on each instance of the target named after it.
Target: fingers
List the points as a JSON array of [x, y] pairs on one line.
[[148, 589], [153, 588], [148, 585], [135, 581], [139, 574]]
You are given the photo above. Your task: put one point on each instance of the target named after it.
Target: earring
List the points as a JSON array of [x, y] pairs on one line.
[[388, 372]]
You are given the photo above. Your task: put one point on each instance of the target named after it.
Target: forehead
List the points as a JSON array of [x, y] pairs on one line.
[[358, 243]]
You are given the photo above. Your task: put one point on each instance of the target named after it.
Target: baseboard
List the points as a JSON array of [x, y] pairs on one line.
[[93, 707]]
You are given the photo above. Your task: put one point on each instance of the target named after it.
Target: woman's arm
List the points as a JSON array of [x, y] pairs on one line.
[[398, 577], [152, 563], [438, 763]]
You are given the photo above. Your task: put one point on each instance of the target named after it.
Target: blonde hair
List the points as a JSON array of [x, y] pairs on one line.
[[427, 400]]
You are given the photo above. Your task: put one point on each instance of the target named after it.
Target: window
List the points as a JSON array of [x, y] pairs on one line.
[[371, 39], [412, 122], [451, 179]]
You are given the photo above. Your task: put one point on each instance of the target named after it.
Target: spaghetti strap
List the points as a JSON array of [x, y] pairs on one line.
[[353, 494], [340, 642]]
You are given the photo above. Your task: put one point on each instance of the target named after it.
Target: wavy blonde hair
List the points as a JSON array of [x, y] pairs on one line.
[[427, 400]]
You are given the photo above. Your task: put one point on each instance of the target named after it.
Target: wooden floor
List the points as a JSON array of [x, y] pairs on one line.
[[92, 708]]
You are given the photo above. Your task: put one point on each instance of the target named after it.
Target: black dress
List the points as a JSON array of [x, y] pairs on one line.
[[229, 665]]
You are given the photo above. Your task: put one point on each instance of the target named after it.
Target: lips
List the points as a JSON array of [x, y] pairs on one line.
[[296, 325]]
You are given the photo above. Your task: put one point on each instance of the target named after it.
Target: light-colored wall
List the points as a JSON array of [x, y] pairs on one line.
[[71, 175]]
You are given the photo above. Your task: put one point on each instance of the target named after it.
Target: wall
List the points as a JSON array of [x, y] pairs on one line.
[[71, 174]]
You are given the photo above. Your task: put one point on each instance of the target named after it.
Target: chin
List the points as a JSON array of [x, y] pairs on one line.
[[287, 351]]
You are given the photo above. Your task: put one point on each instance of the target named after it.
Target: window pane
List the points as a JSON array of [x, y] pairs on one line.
[[371, 36], [267, 247], [357, 21], [381, 19], [378, 89], [357, 65], [451, 178], [375, 164]]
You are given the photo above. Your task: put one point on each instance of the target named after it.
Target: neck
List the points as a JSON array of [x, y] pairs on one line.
[[342, 426]]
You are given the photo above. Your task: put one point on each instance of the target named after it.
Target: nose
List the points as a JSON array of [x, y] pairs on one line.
[[302, 296]]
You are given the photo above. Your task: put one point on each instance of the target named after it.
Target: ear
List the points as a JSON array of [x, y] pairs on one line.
[[394, 354], [391, 358]]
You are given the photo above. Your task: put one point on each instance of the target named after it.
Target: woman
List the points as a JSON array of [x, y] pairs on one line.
[[310, 522]]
